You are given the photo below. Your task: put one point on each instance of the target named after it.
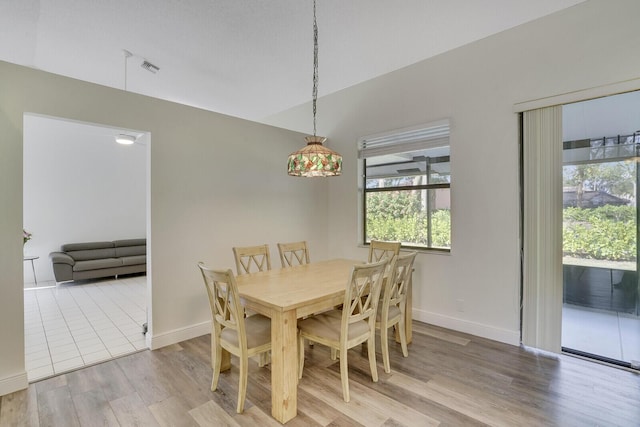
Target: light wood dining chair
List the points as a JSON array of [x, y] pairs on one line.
[[392, 306], [379, 249], [293, 254], [350, 326], [251, 258], [240, 336]]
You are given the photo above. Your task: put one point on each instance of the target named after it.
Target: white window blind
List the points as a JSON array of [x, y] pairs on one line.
[[430, 135]]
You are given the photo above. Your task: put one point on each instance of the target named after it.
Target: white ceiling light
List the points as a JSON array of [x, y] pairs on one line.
[[125, 139]]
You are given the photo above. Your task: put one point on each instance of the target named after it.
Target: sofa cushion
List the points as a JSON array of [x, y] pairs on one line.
[[131, 251], [96, 264], [130, 247], [134, 260], [92, 254], [130, 242], [85, 246]]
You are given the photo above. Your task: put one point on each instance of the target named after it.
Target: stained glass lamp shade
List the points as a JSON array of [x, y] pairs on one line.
[[314, 160]]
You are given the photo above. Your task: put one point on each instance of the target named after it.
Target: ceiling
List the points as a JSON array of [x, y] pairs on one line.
[[245, 58]]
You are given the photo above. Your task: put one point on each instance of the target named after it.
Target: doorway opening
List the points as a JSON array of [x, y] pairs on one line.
[[80, 186]]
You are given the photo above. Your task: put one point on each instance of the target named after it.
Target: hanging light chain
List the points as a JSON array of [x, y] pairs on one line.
[[315, 66], [127, 55], [125, 71]]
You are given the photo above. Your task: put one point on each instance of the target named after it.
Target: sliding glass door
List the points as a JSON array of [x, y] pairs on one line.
[[600, 316]]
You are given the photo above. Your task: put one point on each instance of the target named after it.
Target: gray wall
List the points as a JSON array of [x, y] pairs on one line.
[[476, 288], [214, 182]]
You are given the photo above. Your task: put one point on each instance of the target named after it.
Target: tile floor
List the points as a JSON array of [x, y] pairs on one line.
[[72, 325], [606, 333]]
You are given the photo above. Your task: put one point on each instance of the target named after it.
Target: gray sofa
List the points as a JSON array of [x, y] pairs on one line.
[[78, 261]]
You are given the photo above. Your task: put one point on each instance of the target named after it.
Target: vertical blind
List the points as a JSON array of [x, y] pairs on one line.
[[542, 239]]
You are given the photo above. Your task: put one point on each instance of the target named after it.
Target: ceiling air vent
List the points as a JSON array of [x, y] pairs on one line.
[[150, 67]]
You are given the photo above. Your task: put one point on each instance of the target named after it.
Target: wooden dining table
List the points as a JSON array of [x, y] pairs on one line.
[[286, 295]]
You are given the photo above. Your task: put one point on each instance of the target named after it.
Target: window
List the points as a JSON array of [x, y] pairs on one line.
[[406, 186]]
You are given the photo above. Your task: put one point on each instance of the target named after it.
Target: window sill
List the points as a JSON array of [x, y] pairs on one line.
[[432, 251]]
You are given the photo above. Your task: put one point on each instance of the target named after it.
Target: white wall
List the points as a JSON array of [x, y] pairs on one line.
[[214, 182], [477, 287], [79, 186]]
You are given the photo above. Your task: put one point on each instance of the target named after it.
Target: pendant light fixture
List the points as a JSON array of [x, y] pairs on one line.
[[125, 139], [315, 159]]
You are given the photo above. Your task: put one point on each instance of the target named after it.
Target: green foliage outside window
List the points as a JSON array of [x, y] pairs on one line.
[[441, 229], [607, 232], [399, 216], [393, 205]]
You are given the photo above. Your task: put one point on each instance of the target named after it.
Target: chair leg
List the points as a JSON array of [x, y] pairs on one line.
[[372, 357], [403, 337], [334, 353], [384, 346], [216, 359], [344, 374], [300, 355], [242, 387], [263, 359]]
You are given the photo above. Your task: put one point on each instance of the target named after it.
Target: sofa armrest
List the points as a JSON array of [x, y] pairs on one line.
[[62, 266], [61, 258]]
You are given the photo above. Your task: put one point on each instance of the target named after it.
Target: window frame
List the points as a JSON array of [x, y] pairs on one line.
[[434, 139]]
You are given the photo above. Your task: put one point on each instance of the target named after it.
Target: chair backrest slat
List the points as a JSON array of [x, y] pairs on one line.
[[395, 291], [379, 250], [363, 292], [249, 257], [293, 254]]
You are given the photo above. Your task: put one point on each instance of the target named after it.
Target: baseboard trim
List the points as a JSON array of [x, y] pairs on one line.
[[478, 329], [14, 383], [155, 342], [506, 336]]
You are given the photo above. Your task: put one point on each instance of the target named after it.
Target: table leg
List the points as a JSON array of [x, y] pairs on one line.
[[284, 363], [34, 273]]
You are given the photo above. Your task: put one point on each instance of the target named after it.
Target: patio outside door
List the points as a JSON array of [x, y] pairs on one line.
[[601, 173]]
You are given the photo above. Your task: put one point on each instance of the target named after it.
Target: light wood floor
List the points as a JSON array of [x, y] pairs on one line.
[[449, 379]]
